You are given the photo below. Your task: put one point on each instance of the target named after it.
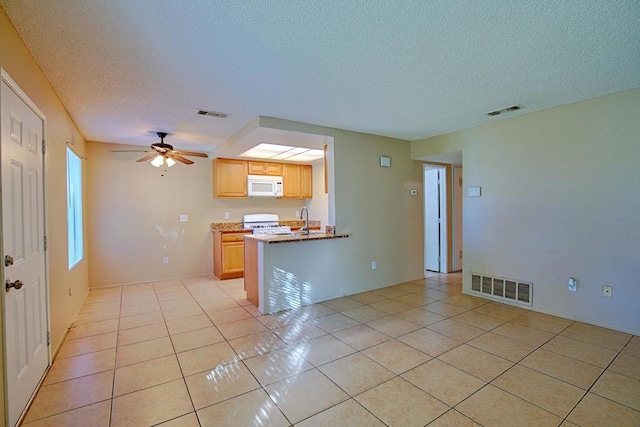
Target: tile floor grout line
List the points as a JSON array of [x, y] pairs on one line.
[[293, 345]]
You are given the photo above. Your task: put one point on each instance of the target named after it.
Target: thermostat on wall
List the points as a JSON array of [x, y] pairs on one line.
[[473, 191]]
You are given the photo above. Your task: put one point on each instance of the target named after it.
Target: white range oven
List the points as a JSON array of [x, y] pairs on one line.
[[264, 224]]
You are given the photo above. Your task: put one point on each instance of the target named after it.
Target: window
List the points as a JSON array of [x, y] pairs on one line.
[[74, 208]]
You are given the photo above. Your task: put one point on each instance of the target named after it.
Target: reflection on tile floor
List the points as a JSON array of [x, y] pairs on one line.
[[194, 352]]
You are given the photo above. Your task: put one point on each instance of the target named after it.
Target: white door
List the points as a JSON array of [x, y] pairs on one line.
[[25, 309], [432, 219]]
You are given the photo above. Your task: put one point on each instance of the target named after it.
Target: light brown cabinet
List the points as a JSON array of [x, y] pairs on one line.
[[228, 255], [291, 185], [296, 181], [306, 181], [265, 168], [230, 178]]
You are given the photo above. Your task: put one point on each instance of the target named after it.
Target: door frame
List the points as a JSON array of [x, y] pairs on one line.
[[445, 205], [4, 77], [456, 219]]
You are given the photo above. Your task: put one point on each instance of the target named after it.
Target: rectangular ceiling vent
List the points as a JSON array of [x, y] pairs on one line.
[[501, 289], [505, 110], [216, 114]]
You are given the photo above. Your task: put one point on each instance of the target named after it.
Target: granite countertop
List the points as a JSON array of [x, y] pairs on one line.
[[237, 227], [288, 238]]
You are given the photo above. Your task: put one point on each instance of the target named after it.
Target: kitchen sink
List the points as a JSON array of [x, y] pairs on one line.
[[310, 232]]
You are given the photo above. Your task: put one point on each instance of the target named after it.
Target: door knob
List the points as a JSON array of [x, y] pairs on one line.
[[17, 284], [8, 260]]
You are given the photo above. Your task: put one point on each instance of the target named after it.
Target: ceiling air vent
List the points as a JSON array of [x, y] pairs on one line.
[[505, 110], [217, 114]]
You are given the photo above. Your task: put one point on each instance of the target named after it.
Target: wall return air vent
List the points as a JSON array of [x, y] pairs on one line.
[[502, 289]]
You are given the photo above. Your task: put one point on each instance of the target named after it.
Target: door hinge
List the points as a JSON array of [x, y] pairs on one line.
[[48, 338], [44, 146], [46, 244]]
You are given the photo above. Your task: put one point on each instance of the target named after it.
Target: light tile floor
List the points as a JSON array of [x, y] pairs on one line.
[[195, 352]]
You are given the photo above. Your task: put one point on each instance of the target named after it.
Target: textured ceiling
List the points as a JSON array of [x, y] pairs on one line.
[[408, 69]]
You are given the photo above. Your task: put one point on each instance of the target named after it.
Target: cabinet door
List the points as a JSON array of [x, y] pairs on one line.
[[232, 257], [265, 168], [230, 178], [306, 185], [273, 169], [291, 188]]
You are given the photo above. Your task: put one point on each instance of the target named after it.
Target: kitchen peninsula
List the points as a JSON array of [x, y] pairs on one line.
[[289, 271]]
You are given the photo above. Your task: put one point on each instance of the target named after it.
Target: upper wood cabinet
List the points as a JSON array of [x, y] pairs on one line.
[[296, 181], [291, 183], [230, 178], [265, 168], [306, 179]]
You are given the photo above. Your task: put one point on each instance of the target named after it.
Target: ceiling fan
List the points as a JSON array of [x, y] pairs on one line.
[[164, 154]]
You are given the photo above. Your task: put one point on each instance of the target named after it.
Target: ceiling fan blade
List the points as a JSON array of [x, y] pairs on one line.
[[147, 157], [130, 151], [173, 155], [190, 153]]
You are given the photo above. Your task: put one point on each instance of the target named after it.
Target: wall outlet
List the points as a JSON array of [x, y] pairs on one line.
[[226, 215], [572, 284], [374, 265], [184, 218], [607, 291], [297, 214], [165, 260]]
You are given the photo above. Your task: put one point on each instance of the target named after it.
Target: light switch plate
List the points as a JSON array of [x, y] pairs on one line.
[[184, 218], [385, 161]]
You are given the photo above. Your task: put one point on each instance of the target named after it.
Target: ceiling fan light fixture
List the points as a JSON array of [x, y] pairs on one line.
[[158, 161], [170, 162]]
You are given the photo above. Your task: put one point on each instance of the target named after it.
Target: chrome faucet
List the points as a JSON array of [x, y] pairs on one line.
[[305, 229]]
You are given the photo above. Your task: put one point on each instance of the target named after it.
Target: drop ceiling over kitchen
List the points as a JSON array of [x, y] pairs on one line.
[[407, 69]]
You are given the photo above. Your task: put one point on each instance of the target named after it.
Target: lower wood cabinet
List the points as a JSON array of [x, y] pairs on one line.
[[228, 254]]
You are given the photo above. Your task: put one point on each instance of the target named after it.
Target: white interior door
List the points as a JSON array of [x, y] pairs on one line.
[[432, 219], [25, 304]]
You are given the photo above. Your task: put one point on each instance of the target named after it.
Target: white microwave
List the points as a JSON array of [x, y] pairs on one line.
[[264, 186]]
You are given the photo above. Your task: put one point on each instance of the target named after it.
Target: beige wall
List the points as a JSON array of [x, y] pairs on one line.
[[559, 199], [319, 205], [134, 215], [16, 60]]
